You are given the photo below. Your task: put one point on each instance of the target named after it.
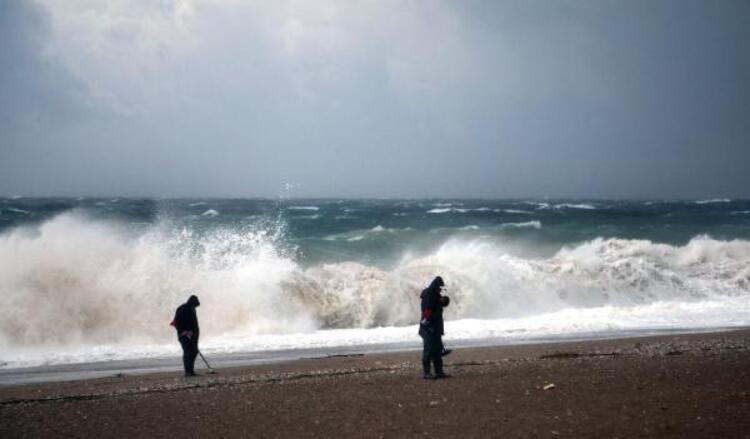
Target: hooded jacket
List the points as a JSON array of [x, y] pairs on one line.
[[185, 318], [432, 308]]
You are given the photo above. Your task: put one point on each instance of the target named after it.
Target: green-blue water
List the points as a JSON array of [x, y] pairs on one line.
[[379, 231]]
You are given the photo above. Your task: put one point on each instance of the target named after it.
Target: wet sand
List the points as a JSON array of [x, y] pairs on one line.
[[668, 386]]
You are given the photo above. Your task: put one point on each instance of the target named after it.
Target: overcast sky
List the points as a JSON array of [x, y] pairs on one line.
[[595, 98]]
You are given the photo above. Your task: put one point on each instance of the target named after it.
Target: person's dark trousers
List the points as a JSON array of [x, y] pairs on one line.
[[189, 353], [432, 347]]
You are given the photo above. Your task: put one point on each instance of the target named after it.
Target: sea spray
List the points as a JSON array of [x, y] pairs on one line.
[[74, 279]]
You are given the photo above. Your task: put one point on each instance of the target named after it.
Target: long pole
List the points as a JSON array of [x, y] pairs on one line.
[[210, 369]]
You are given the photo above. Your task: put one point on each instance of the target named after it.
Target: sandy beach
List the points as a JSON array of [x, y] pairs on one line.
[[695, 385]]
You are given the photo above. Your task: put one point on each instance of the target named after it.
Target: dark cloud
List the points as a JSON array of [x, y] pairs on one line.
[[35, 91], [38, 99], [484, 99]]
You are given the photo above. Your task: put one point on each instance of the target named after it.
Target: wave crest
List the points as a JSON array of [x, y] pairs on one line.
[[77, 280]]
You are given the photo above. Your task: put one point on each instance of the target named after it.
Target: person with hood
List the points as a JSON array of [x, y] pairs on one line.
[[431, 329], [186, 323]]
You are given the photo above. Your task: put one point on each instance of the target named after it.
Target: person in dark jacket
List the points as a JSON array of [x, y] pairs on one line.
[[431, 330], [186, 323]]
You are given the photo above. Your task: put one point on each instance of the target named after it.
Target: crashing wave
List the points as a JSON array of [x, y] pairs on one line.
[[73, 279]]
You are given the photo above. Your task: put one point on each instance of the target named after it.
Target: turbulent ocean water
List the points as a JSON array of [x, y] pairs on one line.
[[87, 280]]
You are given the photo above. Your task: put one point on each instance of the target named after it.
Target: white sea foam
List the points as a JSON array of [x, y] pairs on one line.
[[531, 224], [470, 227], [358, 235], [539, 205], [583, 206], [210, 213], [568, 322], [518, 211], [16, 210], [73, 284], [714, 200], [460, 210], [313, 208]]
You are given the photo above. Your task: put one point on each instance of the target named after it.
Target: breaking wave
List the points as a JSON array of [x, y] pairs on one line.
[[73, 279]]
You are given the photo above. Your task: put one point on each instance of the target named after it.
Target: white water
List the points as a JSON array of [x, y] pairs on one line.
[[74, 289], [714, 200]]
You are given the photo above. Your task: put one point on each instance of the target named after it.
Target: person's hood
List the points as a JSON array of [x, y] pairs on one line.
[[193, 301], [434, 287], [436, 283]]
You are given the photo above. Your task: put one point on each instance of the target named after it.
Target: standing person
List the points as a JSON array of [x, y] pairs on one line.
[[431, 330], [186, 323]]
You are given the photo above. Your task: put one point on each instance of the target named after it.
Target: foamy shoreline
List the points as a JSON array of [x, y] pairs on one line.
[[693, 385], [170, 364]]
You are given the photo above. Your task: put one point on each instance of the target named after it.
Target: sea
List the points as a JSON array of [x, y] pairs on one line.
[[88, 286]]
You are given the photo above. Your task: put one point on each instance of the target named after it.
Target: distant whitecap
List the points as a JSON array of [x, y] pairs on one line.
[[583, 206], [714, 200], [447, 210], [531, 224], [15, 210]]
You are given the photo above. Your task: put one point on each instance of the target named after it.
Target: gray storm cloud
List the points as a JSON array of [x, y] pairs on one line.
[[399, 99]]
